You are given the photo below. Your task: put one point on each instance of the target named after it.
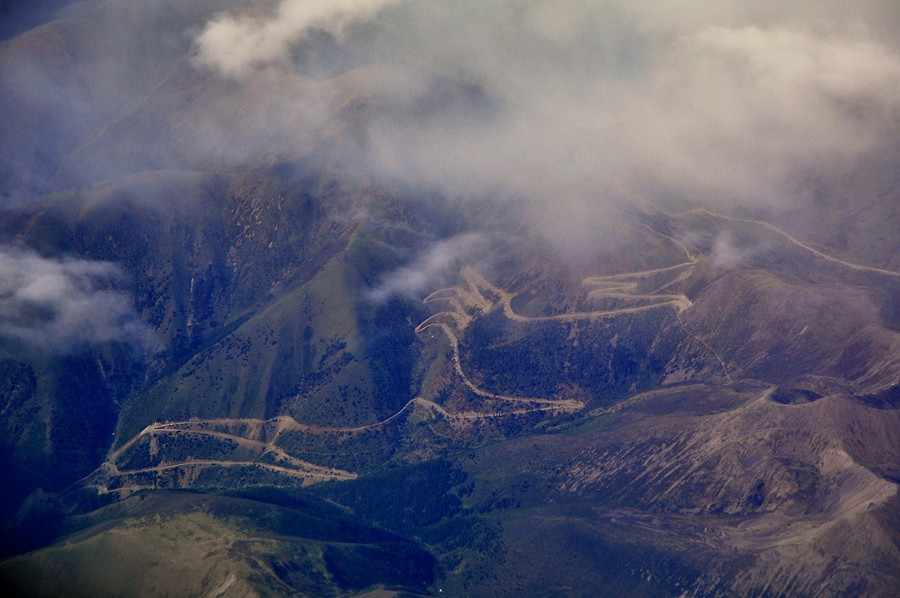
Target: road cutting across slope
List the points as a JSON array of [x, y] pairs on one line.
[[465, 302], [272, 428], [315, 471], [792, 239], [470, 299], [615, 286], [567, 405], [647, 207]]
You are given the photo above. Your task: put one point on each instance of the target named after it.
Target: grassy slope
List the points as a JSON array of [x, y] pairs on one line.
[[254, 293], [164, 544]]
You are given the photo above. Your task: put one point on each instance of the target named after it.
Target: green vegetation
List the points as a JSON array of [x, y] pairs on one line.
[[609, 360], [699, 404], [272, 352], [152, 543]]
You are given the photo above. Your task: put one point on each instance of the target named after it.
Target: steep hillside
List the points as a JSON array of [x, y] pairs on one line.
[[361, 311]]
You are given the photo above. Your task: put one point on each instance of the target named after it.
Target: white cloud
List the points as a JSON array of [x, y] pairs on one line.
[[60, 305], [561, 103], [236, 44], [727, 253], [558, 104], [439, 261]]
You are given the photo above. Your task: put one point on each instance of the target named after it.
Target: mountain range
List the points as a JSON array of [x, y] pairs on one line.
[[337, 317]]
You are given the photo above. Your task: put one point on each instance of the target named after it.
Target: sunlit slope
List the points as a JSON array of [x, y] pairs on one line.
[[154, 545]]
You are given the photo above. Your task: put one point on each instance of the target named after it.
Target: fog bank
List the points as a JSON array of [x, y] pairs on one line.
[[568, 108]]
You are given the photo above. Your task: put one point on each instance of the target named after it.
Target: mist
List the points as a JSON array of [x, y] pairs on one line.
[[439, 264], [567, 108], [235, 44], [59, 306]]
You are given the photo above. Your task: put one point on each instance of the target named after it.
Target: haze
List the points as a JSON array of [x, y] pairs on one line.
[[563, 110]]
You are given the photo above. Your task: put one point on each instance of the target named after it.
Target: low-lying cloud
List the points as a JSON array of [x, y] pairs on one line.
[[728, 253], [64, 305], [440, 262], [564, 102], [236, 44], [566, 106]]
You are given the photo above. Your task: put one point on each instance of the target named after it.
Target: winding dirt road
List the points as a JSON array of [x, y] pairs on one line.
[[471, 299], [790, 238]]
